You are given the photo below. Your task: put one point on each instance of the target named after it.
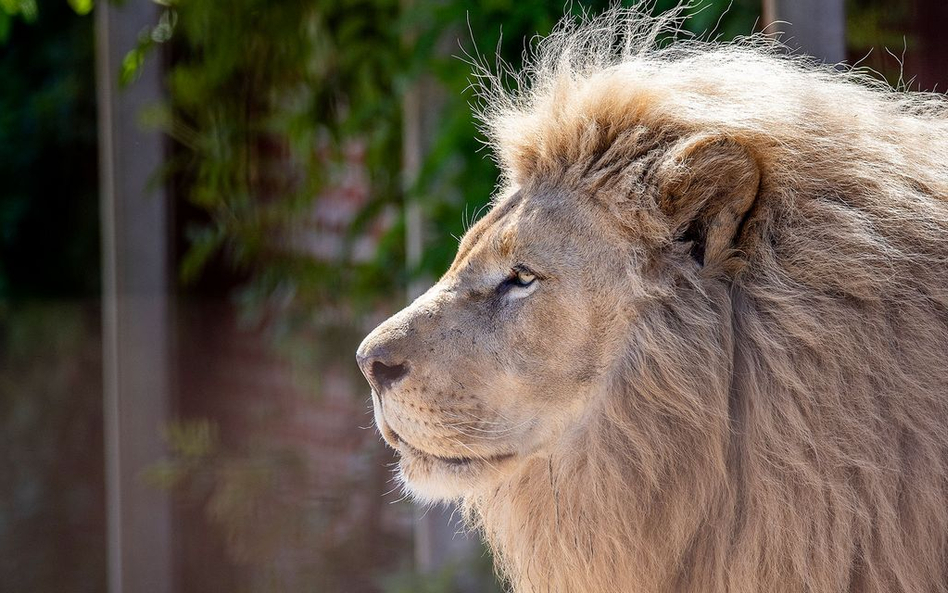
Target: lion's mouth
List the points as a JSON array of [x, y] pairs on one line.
[[402, 446]]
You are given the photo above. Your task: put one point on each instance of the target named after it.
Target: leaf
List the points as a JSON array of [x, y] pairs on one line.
[[131, 66], [82, 7], [192, 439], [204, 244]]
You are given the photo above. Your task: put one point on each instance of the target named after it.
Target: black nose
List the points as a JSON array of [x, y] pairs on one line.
[[387, 375], [380, 370]]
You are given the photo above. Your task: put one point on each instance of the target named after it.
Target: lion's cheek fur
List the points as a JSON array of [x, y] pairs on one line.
[[555, 348], [636, 473]]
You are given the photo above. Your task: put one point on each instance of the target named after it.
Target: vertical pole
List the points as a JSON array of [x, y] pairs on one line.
[[412, 156], [814, 27], [134, 309], [768, 14]]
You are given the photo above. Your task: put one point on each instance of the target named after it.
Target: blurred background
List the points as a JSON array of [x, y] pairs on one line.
[[204, 205]]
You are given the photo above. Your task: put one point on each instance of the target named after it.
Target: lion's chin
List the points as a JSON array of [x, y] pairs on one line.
[[431, 478]]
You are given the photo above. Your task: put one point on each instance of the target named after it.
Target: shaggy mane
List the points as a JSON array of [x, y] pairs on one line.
[[778, 425]]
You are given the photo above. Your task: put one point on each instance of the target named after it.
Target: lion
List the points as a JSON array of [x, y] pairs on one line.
[[700, 341]]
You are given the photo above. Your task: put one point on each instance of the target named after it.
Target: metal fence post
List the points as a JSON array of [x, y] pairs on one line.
[[814, 27], [135, 318]]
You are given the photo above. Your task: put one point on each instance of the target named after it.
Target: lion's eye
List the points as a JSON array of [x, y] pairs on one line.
[[518, 278], [523, 278]]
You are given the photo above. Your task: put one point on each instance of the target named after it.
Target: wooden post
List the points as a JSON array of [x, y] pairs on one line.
[[813, 27], [135, 317]]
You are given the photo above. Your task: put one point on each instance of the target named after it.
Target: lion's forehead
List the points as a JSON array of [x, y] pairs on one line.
[[484, 227], [488, 243], [526, 226]]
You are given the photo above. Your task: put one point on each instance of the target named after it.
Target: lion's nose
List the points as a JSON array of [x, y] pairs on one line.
[[385, 375], [380, 370]]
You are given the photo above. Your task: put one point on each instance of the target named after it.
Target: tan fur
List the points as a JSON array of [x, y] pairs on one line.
[[730, 374]]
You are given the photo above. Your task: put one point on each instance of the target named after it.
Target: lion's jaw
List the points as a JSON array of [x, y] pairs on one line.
[[480, 374]]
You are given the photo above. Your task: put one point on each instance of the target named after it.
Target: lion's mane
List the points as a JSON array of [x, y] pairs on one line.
[[780, 423]]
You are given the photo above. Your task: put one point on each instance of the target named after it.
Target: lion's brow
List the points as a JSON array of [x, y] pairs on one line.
[[478, 230]]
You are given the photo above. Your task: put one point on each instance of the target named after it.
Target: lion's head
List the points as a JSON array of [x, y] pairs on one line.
[[698, 342], [500, 358], [491, 364]]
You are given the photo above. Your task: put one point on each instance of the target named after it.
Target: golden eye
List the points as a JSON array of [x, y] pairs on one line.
[[519, 277], [522, 278]]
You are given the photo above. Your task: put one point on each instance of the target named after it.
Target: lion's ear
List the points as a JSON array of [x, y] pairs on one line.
[[707, 185]]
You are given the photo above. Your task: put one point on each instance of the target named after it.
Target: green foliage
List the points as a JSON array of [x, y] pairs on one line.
[[876, 36], [81, 6], [26, 9], [443, 581], [269, 100], [447, 579], [48, 155], [29, 11]]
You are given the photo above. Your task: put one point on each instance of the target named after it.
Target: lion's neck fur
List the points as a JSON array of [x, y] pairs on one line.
[[582, 520], [618, 506]]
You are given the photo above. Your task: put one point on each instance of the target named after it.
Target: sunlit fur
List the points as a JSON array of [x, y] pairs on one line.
[[776, 420]]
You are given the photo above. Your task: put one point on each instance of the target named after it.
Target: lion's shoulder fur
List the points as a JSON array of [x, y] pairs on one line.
[[785, 429]]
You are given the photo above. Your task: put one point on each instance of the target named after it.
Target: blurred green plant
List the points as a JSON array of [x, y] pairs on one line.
[[876, 36], [9, 9], [409, 581], [28, 10], [268, 101], [82, 6], [450, 578], [49, 224]]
